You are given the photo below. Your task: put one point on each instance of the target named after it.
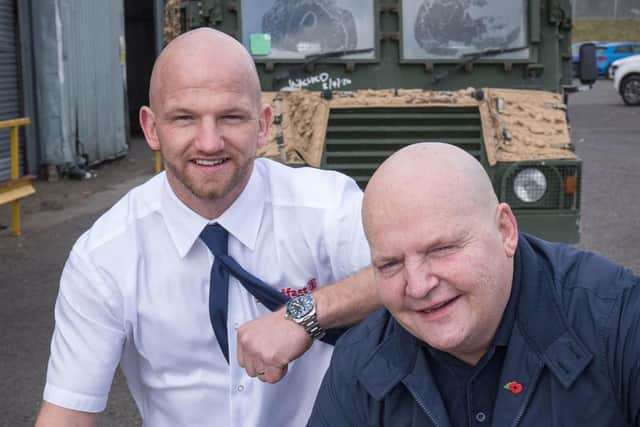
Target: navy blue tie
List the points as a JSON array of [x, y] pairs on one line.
[[216, 238]]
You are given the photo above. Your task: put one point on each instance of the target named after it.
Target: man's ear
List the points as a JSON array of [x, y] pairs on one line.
[[148, 125], [508, 227], [264, 121]]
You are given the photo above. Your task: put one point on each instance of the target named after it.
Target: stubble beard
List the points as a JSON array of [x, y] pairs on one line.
[[210, 191]]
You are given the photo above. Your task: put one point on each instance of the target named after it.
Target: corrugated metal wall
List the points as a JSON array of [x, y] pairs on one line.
[[10, 85], [80, 80]]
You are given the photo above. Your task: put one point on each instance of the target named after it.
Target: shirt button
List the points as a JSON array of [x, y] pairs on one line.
[[236, 325], [480, 417], [240, 389]]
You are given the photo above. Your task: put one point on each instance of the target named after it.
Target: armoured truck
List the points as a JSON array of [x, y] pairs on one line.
[[352, 81]]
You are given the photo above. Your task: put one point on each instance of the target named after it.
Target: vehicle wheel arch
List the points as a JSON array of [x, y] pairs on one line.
[[635, 75]]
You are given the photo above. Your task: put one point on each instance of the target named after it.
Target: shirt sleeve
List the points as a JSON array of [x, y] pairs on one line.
[[87, 339], [350, 251]]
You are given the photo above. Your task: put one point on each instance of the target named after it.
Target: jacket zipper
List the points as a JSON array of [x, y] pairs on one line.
[[517, 419], [424, 408]]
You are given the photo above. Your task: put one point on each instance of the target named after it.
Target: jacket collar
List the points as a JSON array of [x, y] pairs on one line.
[[553, 340], [391, 362], [398, 359], [397, 356]]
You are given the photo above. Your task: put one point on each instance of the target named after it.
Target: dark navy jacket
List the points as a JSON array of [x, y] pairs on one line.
[[575, 348]]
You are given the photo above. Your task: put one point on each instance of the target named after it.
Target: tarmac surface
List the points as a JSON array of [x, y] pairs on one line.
[[606, 133], [30, 266], [604, 130]]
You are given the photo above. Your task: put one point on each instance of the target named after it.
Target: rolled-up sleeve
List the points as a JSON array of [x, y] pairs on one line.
[[87, 339]]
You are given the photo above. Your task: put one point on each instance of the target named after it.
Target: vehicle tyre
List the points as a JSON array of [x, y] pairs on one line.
[[630, 89]]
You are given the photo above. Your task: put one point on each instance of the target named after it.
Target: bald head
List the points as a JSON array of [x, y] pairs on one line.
[[442, 247], [430, 176], [202, 52]]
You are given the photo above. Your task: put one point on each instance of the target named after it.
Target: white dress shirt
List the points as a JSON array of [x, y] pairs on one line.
[[135, 291]]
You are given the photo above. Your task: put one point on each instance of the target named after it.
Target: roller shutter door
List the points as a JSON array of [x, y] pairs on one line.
[[10, 90]]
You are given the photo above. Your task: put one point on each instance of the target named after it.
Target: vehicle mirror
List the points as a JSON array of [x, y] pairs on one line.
[[587, 67]]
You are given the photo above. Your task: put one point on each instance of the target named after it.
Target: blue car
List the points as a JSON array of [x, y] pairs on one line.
[[608, 52]]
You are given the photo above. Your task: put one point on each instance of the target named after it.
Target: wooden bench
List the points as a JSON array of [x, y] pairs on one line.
[[17, 187]]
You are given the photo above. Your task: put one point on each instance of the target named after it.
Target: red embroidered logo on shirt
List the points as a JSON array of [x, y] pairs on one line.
[[312, 284]]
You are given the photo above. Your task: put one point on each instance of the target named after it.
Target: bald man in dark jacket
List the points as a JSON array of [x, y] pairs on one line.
[[482, 325]]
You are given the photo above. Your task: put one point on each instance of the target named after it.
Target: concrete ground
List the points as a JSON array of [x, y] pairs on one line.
[[30, 267]]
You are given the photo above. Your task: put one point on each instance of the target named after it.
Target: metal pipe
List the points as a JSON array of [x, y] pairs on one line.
[[15, 153], [158, 161], [15, 166]]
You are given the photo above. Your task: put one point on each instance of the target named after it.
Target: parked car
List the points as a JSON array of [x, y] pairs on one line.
[[609, 52], [627, 80], [617, 64]]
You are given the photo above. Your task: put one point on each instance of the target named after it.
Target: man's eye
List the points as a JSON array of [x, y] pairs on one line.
[[387, 267], [443, 250], [234, 118], [183, 118]]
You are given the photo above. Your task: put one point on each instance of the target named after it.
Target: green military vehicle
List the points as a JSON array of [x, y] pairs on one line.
[[352, 81]]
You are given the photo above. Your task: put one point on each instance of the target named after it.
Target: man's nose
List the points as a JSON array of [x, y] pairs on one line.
[[420, 280], [210, 137]]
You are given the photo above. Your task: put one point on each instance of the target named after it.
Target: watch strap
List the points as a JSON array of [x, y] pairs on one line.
[[310, 324]]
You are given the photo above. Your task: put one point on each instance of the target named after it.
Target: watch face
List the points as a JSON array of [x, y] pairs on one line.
[[300, 306]]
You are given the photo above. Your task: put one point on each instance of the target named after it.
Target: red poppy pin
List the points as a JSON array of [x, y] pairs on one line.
[[514, 387]]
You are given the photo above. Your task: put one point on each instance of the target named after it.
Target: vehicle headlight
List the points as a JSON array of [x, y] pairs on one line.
[[530, 185]]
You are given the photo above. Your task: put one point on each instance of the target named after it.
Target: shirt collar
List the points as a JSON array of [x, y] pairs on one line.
[[242, 219]]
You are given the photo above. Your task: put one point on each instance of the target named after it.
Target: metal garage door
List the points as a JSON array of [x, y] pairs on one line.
[[10, 91]]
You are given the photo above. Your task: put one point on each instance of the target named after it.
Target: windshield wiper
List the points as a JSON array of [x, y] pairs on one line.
[[472, 57], [334, 54]]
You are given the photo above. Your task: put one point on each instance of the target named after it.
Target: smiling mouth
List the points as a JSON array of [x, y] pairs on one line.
[[440, 306], [216, 162]]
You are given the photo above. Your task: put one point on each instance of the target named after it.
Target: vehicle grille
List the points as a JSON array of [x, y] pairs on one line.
[[358, 140]]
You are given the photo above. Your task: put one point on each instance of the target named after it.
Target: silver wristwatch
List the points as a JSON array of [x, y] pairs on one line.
[[302, 310]]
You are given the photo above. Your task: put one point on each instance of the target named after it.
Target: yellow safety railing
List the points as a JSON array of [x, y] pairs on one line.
[[17, 187], [158, 161]]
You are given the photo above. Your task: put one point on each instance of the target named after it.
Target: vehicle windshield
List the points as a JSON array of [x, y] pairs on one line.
[[448, 29], [297, 29]]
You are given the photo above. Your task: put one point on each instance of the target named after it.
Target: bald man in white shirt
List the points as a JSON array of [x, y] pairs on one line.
[[136, 286]]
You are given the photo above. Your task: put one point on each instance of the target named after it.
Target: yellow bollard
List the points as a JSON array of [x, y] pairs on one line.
[[15, 223]]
